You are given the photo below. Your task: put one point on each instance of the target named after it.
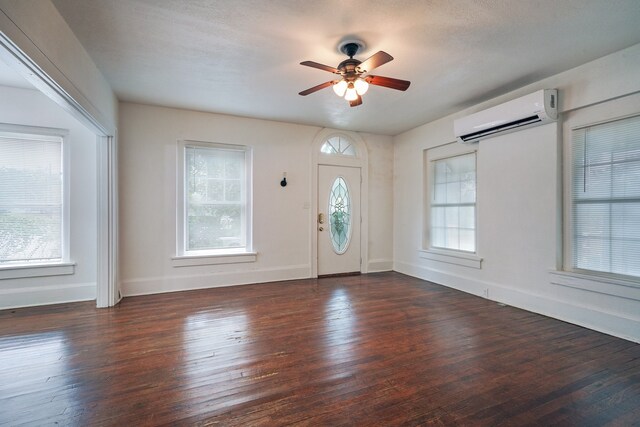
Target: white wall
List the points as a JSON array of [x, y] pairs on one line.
[[281, 216], [32, 108], [519, 205], [380, 202]]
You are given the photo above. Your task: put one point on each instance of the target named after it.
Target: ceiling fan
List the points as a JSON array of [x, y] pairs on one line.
[[355, 78]]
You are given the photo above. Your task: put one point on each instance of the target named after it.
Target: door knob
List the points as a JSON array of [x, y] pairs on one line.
[[320, 218]]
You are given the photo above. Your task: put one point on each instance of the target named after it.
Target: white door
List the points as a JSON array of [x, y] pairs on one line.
[[338, 221]]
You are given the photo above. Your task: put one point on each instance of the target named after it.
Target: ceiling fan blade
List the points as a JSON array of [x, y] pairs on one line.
[[374, 61], [357, 102], [389, 82], [317, 88], [320, 66]]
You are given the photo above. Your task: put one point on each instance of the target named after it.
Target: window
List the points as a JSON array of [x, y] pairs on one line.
[[453, 203], [215, 212], [33, 229], [340, 215], [606, 197], [338, 145]]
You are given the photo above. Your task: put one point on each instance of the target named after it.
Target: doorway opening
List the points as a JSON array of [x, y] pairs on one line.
[[94, 214]]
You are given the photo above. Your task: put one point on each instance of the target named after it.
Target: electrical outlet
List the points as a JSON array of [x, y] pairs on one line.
[[485, 293]]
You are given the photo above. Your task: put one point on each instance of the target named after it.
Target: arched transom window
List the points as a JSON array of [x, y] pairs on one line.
[[338, 145]]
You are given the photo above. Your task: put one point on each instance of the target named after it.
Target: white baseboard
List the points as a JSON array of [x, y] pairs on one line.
[[157, 285], [45, 295], [378, 265], [588, 317]]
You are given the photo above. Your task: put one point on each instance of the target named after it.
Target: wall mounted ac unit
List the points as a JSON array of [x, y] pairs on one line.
[[535, 109]]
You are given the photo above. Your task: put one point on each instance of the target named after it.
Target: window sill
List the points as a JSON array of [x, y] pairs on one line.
[[36, 270], [451, 257], [595, 283], [228, 258]]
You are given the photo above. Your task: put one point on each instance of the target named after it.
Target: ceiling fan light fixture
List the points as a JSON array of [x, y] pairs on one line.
[[340, 88], [361, 86], [351, 94]]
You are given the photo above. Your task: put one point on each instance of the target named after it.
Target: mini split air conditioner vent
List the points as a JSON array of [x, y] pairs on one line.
[[476, 136], [532, 110]]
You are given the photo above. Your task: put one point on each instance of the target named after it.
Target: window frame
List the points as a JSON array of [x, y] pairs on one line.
[[337, 152], [564, 274], [431, 204], [569, 205], [64, 265], [338, 159], [184, 258], [428, 251]]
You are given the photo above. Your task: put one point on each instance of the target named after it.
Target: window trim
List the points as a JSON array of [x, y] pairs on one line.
[[338, 159], [37, 270], [339, 153], [565, 274], [64, 265], [452, 256], [185, 258], [600, 283], [568, 267], [447, 254]]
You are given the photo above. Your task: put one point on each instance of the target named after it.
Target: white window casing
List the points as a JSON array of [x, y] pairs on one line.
[[34, 202], [450, 206], [601, 199], [213, 204], [452, 203], [605, 197]]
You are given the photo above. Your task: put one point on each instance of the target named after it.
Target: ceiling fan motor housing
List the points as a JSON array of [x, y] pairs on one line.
[[348, 69]]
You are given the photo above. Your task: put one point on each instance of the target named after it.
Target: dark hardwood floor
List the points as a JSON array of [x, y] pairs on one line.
[[380, 349]]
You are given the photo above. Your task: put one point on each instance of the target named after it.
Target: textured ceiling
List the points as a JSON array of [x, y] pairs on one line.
[[242, 57]]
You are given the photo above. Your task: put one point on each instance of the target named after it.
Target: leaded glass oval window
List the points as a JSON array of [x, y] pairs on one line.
[[338, 145], [340, 215]]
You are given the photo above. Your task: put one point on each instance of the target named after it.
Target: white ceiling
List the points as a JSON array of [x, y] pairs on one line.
[[242, 57]]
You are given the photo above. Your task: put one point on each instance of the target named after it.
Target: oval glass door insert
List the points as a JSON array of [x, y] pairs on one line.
[[340, 215]]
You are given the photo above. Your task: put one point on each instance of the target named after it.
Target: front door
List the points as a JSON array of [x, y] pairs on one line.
[[338, 221]]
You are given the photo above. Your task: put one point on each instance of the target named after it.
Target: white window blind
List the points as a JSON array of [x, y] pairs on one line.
[[215, 198], [31, 199], [606, 197], [453, 203]]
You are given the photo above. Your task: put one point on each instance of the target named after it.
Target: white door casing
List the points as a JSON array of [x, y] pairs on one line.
[[334, 258], [360, 160]]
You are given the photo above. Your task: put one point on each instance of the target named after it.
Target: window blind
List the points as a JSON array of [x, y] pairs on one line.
[[606, 197], [453, 203], [31, 199]]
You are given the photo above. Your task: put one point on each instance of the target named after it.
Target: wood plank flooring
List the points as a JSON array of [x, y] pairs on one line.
[[379, 349]]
